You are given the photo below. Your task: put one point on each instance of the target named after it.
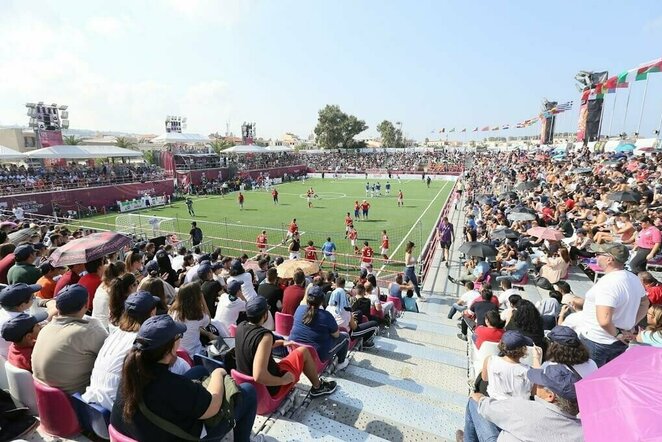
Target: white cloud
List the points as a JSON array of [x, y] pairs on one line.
[[227, 12], [110, 26]]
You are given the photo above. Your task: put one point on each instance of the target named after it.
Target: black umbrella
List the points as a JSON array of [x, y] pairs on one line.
[[528, 185], [522, 209], [475, 248], [484, 199], [508, 195], [625, 195], [505, 233], [579, 170]]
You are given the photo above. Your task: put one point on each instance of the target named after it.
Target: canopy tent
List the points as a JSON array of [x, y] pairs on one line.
[[245, 148], [177, 138], [10, 154], [280, 149], [82, 152]]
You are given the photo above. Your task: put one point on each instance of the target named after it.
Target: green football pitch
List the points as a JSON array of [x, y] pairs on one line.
[[225, 225]]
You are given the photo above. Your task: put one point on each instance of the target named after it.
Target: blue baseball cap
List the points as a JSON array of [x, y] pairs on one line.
[[256, 306], [16, 328], [555, 377], [234, 287], [71, 299], [564, 335], [157, 331], [23, 252], [140, 303], [315, 292], [513, 339], [204, 268], [152, 266], [16, 294]]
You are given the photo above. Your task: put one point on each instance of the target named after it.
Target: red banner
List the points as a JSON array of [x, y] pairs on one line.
[[583, 118], [49, 138]]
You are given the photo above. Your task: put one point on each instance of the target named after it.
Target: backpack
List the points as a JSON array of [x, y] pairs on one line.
[[410, 304]]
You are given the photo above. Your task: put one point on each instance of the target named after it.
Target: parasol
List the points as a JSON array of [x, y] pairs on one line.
[[504, 233], [521, 216], [625, 195], [579, 170], [89, 248], [528, 185], [287, 268], [545, 233], [475, 248]]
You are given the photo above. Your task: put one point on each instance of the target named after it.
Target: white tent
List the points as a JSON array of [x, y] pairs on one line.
[[10, 154], [280, 149], [245, 148], [82, 152], [174, 137]]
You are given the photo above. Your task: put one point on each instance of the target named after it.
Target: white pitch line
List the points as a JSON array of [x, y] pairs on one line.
[[405, 238]]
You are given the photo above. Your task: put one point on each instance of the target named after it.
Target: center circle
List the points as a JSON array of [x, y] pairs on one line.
[[327, 195]]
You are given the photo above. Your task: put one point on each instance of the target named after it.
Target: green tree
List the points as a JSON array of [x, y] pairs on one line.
[[72, 140], [219, 145], [391, 137], [125, 142], [336, 129], [149, 157]]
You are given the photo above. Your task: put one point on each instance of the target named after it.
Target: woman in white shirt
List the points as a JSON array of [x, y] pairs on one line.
[[191, 309], [238, 273], [107, 370], [410, 269], [230, 305], [505, 374], [100, 304]]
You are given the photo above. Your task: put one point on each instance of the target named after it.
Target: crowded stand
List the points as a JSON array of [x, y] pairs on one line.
[[558, 278], [431, 161]]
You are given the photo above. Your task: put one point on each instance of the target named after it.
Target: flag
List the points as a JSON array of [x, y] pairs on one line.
[[495, 128], [485, 128], [565, 106], [506, 126], [520, 125], [452, 130], [648, 68], [464, 130], [475, 129], [622, 78], [442, 130]]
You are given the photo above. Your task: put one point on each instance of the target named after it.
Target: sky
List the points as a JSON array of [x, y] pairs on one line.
[[124, 65]]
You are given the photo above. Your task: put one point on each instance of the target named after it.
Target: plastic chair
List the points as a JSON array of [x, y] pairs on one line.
[[528, 359], [56, 412], [266, 404], [376, 314], [522, 282], [233, 330], [210, 364], [4, 384], [185, 356], [21, 387], [116, 436], [284, 323], [397, 302], [92, 417], [321, 365]]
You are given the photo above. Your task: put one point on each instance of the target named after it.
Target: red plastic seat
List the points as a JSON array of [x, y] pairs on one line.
[[233, 330], [321, 365], [397, 302], [185, 356], [266, 404], [376, 314], [56, 412], [284, 323], [116, 436], [522, 282]]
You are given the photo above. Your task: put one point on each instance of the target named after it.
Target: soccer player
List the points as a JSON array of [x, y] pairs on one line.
[[367, 189], [365, 206], [352, 235], [357, 207], [366, 256], [312, 191], [348, 223], [240, 200], [309, 196], [311, 252], [189, 206], [388, 187], [261, 242], [292, 229], [379, 189], [400, 198], [427, 180], [372, 190], [385, 246], [274, 195], [329, 252]]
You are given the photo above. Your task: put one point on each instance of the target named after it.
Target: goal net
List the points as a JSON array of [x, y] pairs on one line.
[[145, 225]]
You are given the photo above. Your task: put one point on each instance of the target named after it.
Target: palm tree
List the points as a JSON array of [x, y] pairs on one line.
[[219, 145], [72, 140], [125, 143]]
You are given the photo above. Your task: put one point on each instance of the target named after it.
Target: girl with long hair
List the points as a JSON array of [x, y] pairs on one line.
[[191, 309], [527, 319], [134, 263], [566, 348], [410, 269], [100, 304], [156, 286], [149, 389], [120, 289], [653, 333]]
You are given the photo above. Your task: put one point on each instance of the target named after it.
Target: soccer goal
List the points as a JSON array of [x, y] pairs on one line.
[[146, 226]]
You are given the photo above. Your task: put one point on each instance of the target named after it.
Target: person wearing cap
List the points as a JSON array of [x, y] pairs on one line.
[[340, 307], [64, 354], [566, 348], [40, 252], [613, 306], [107, 370], [516, 272], [552, 415], [195, 234], [253, 352], [238, 273], [505, 374], [47, 280], [148, 384], [647, 245], [14, 300], [230, 305], [319, 328], [211, 289], [22, 332], [192, 272], [24, 269]]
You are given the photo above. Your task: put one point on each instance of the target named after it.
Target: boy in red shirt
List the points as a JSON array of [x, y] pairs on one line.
[[22, 332], [357, 207], [365, 206], [352, 235], [274, 195], [240, 198], [366, 255], [311, 252], [261, 241], [294, 228], [348, 223], [384, 250], [400, 198]]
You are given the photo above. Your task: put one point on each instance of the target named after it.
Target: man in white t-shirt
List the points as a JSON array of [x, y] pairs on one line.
[[613, 306], [465, 300], [507, 287]]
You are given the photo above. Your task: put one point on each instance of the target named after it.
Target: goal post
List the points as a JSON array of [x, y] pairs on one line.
[[145, 225]]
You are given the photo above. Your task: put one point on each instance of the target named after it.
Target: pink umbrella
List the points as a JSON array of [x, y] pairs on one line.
[[622, 401], [546, 233]]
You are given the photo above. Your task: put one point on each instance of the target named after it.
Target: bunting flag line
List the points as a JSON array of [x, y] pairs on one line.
[[475, 129], [452, 130], [464, 130], [486, 128]]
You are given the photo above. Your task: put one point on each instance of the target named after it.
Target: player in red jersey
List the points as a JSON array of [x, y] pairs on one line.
[[366, 256], [348, 223], [261, 242], [400, 198], [292, 229], [352, 235], [384, 250], [240, 199], [357, 207], [311, 252], [365, 206], [309, 198], [274, 195]]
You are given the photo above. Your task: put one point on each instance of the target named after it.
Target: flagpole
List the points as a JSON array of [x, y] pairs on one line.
[[613, 110], [627, 104], [659, 127], [602, 114], [643, 102]]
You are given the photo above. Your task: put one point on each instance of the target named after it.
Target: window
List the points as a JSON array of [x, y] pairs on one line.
[[29, 141]]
